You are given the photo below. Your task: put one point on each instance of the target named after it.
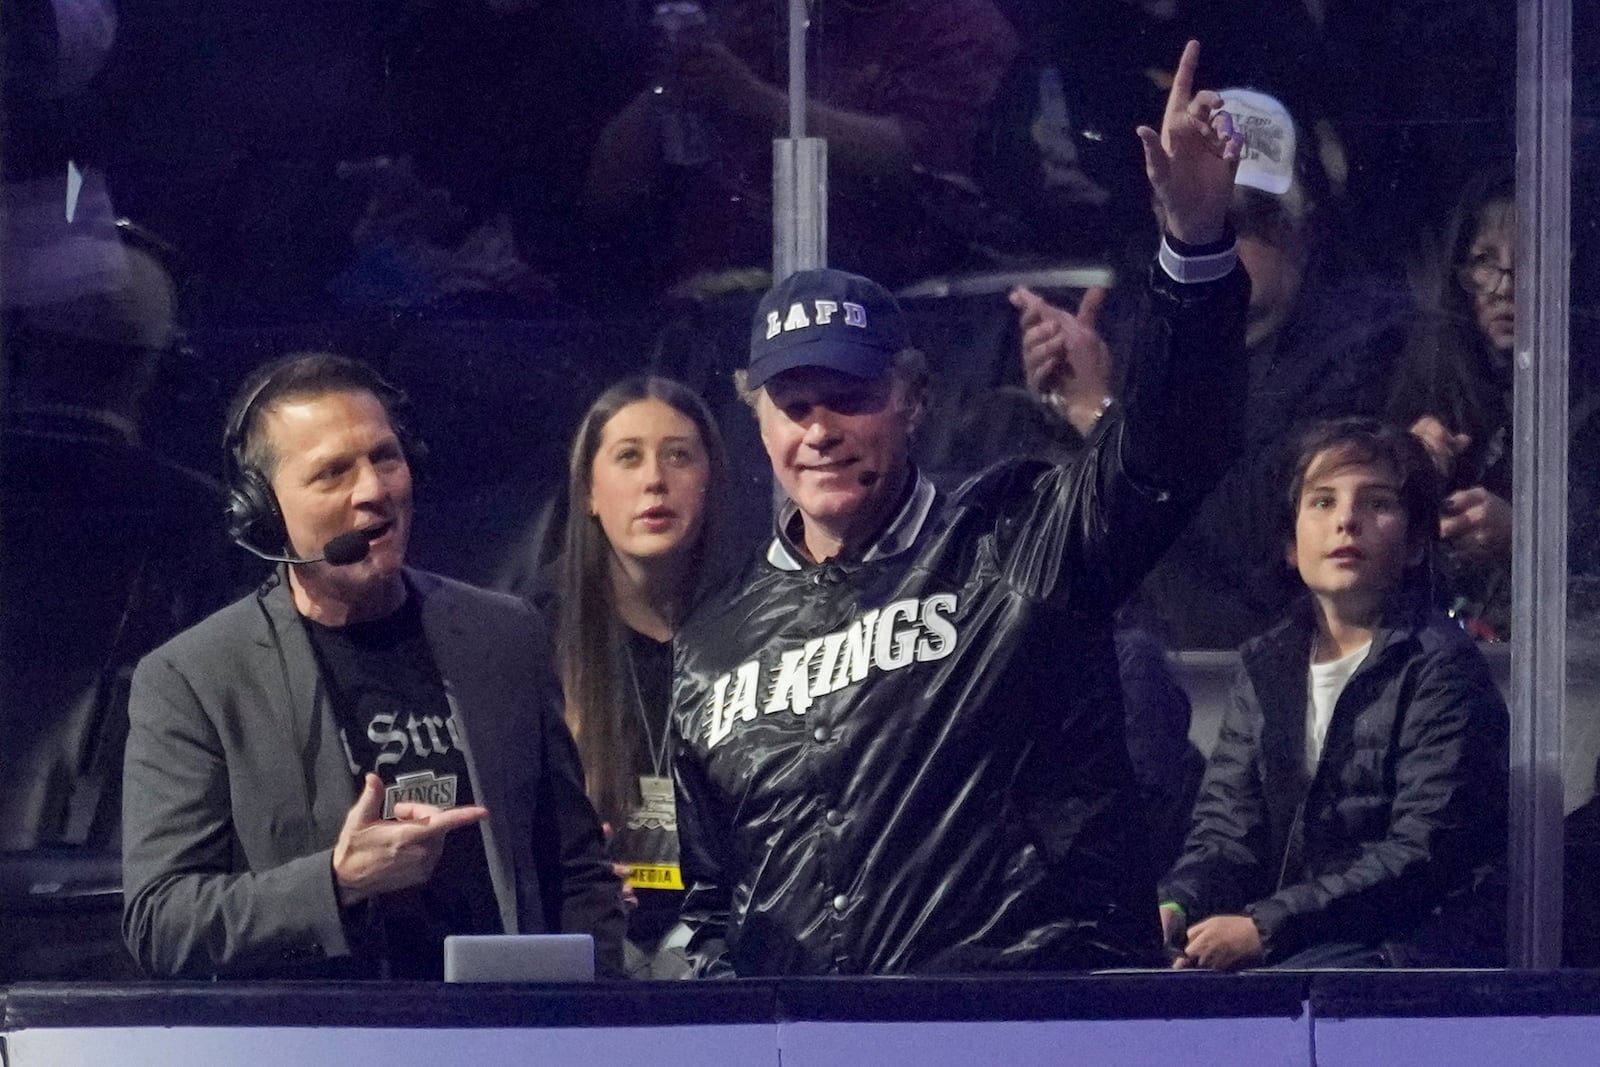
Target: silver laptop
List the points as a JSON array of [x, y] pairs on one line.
[[519, 958]]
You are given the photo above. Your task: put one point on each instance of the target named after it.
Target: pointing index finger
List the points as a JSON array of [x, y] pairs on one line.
[[456, 818], [1183, 79], [438, 820]]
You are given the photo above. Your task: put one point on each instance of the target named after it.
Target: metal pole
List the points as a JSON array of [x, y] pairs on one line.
[[1539, 474], [799, 172], [797, 68]]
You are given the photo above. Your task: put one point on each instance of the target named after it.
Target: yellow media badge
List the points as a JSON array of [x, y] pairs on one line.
[[655, 876]]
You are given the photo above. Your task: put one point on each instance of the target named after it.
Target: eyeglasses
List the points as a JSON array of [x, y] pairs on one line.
[[1482, 274]]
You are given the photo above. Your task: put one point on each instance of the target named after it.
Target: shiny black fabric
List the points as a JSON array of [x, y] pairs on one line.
[[1398, 840], [928, 770]]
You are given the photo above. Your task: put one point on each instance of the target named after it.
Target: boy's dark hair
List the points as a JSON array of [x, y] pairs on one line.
[[1372, 441]]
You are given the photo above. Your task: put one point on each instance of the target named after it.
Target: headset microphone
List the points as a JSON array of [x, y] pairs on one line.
[[349, 547], [867, 479]]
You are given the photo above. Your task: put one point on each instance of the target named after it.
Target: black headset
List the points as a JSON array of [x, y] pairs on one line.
[[252, 517]]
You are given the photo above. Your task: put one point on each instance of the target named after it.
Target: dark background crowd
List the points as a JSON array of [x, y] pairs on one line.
[[507, 205]]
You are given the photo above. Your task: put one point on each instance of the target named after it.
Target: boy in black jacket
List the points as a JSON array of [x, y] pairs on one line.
[[1353, 812]]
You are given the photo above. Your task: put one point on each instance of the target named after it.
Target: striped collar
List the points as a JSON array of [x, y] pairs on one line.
[[785, 553]]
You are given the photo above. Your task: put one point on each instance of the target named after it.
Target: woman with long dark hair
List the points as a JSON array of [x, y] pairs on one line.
[[1454, 391], [646, 475]]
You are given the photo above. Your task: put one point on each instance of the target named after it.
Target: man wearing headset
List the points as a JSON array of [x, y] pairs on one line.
[[329, 776]]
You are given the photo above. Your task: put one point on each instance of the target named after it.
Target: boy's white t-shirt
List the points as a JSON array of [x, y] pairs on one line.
[[1327, 682]]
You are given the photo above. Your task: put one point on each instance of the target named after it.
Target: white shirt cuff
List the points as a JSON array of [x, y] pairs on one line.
[[1191, 269]]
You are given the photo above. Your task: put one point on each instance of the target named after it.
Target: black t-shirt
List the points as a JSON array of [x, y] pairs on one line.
[[389, 701], [650, 662]]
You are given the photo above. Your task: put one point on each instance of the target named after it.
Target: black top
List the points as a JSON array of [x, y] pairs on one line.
[[649, 693], [397, 722]]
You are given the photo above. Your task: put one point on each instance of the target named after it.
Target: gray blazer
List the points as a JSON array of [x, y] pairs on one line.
[[236, 786]]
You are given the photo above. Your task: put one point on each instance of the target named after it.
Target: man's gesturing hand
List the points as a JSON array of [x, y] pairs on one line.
[[1064, 359], [1191, 161], [376, 855]]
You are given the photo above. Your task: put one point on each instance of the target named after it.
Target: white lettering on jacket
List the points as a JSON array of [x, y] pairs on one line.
[[915, 630]]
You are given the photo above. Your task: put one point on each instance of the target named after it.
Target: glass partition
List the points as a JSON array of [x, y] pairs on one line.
[[506, 205], [1580, 742]]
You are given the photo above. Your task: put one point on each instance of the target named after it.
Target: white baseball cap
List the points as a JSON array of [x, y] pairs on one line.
[[1267, 159]]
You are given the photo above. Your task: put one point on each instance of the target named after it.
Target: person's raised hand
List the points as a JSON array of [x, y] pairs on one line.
[[376, 855], [1476, 524], [1065, 361], [1191, 161], [1444, 447]]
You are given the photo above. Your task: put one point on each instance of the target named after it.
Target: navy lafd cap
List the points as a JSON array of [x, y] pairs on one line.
[[825, 318]]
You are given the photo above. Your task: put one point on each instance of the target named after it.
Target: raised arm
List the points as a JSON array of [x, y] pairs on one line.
[[1177, 425], [1151, 456], [1191, 161]]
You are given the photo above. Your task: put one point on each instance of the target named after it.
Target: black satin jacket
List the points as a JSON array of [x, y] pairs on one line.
[[914, 761]]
